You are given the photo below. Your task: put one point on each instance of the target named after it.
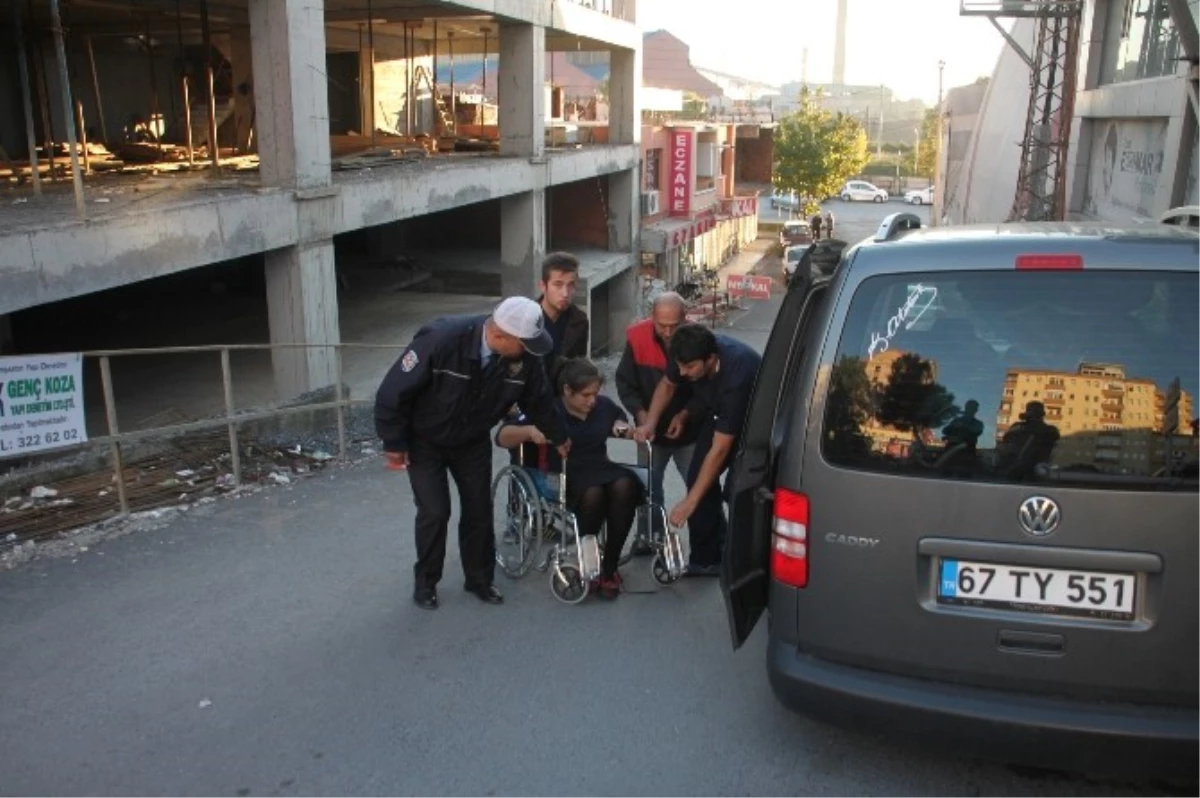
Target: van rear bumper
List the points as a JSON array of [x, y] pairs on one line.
[[1062, 734]]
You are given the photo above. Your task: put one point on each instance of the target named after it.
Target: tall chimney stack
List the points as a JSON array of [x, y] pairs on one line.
[[839, 51]]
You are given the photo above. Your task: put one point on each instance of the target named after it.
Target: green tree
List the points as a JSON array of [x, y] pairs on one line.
[[816, 151], [927, 156]]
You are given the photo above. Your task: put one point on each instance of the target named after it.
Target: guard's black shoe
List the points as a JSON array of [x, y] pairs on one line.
[[426, 598], [486, 593]]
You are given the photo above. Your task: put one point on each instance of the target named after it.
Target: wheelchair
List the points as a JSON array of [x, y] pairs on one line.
[[531, 511]]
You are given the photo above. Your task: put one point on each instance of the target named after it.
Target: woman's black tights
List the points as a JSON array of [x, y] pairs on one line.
[[615, 504]]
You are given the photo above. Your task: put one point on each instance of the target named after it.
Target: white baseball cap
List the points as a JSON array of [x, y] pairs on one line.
[[522, 317]]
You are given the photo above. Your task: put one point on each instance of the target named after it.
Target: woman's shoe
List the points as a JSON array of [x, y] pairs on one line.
[[611, 586]]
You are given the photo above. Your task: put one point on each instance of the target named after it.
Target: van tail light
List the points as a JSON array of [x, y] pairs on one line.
[[789, 539], [1049, 262]]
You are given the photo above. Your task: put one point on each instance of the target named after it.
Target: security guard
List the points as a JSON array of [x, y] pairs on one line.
[[434, 412]]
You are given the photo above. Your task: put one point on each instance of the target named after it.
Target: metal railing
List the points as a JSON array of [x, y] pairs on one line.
[[232, 417]]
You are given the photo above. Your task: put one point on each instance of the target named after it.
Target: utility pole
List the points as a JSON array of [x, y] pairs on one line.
[[879, 141], [935, 214]]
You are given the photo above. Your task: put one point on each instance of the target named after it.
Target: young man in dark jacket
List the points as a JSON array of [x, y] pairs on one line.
[[643, 365], [566, 323], [435, 411]]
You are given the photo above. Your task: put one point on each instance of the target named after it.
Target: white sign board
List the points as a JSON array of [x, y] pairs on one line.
[[41, 403]]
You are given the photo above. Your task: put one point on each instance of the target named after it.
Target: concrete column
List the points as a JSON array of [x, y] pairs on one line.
[[292, 130], [624, 211], [241, 56], [290, 93], [522, 90], [302, 308], [622, 307], [522, 242], [624, 105]]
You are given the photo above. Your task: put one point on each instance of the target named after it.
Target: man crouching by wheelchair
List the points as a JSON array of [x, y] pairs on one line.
[[599, 491]]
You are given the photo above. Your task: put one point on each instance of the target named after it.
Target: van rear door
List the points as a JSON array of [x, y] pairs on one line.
[[745, 575]]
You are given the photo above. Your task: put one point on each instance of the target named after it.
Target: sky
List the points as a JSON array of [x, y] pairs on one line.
[[894, 42]]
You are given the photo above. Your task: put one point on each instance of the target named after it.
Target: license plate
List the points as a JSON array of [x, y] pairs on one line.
[[1053, 591]]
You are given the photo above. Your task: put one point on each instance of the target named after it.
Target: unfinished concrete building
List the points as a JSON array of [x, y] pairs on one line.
[[303, 171]]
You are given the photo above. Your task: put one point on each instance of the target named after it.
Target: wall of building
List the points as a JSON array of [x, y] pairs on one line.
[[755, 157], [576, 214]]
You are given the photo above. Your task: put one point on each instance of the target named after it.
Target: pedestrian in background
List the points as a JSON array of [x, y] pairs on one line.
[[435, 411], [829, 224], [815, 224]]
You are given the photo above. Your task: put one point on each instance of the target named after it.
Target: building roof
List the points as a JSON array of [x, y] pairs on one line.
[[666, 64]]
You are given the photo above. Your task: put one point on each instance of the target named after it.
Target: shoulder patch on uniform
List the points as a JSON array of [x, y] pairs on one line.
[[409, 361], [515, 368]]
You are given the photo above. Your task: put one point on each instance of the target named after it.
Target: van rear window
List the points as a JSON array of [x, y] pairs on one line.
[[1021, 376]]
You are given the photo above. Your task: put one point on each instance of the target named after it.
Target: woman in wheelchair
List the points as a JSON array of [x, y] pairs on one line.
[[599, 491]]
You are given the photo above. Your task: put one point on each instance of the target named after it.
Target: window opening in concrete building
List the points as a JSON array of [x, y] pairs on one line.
[[1141, 42]]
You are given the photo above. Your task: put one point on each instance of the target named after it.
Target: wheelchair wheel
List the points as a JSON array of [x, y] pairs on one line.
[[567, 584], [661, 573], [518, 521]]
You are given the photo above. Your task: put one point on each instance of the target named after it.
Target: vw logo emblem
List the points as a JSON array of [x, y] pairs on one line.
[[1039, 516]]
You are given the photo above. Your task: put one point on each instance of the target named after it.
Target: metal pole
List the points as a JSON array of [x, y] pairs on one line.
[[68, 109], [154, 113], [110, 412], [96, 89], [486, 31], [187, 96], [371, 47], [453, 100], [341, 408], [87, 161], [26, 99], [227, 380], [213, 149], [39, 76], [187, 120]]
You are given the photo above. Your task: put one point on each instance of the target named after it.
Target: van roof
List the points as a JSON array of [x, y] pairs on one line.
[[985, 246]]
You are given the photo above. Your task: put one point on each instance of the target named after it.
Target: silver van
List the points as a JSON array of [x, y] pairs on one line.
[[967, 498]]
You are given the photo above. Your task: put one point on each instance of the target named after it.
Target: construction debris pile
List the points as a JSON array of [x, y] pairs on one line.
[[183, 473]]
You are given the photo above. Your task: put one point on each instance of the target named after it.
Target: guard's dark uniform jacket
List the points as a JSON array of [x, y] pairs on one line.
[[643, 364], [437, 393], [570, 334]]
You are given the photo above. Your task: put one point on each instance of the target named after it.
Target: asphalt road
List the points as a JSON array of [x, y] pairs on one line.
[[268, 646]]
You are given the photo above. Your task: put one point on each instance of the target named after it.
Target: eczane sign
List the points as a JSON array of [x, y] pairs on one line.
[[681, 172]]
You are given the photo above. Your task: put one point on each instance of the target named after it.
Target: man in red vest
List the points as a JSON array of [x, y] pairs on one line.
[[643, 364]]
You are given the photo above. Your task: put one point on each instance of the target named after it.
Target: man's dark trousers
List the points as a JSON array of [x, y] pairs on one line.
[[471, 466], [707, 526]]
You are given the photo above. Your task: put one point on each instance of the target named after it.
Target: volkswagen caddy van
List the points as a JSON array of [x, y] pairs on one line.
[[966, 498]]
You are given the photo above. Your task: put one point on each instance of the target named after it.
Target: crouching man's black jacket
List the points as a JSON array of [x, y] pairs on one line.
[[439, 393]]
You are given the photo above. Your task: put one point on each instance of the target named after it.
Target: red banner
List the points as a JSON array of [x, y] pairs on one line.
[[751, 287], [681, 172]]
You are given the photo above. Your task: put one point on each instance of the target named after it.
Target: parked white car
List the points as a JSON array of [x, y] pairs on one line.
[[920, 196], [862, 191], [786, 200]]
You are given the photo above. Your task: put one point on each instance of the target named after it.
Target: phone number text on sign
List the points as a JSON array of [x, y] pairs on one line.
[[41, 403]]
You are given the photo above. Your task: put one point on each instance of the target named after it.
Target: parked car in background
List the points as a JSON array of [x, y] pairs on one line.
[[791, 259], [785, 200], [1183, 216], [862, 191], [795, 232], [919, 196]]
